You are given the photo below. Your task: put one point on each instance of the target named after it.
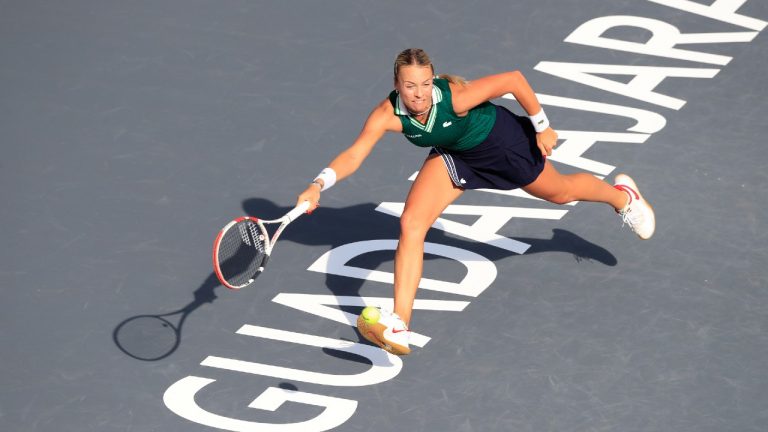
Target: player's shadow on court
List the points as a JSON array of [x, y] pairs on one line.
[[153, 337], [332, 227]]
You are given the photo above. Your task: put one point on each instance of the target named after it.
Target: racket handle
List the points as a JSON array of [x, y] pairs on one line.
[[296, 212]]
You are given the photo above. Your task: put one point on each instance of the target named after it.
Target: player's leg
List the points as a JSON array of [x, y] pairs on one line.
[[564, 188], [624, 197], [430, 194]]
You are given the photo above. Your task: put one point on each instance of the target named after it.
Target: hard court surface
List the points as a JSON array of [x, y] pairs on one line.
[[131, 131]]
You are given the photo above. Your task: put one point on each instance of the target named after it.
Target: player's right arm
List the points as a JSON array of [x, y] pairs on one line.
[[381, 120]]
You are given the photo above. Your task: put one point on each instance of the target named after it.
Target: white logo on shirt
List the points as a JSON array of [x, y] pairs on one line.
[[446, 124]]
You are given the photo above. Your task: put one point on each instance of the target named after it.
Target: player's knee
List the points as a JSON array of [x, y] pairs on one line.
[[413, 226], [557, 197], [560, 198]]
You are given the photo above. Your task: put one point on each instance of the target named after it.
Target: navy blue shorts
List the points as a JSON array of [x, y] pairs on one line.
[[507, 159]]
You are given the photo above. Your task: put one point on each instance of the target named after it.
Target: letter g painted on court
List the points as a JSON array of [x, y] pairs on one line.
[[180, 399]]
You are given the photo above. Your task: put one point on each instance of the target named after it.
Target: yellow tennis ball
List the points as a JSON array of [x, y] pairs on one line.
[[371, 315]]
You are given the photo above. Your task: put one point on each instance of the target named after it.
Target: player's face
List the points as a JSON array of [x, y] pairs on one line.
[[415, 86]]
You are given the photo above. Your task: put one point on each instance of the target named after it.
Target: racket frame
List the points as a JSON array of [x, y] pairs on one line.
[[269, 242]]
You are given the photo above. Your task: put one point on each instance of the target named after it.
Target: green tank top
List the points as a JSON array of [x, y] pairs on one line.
[[444, 128]]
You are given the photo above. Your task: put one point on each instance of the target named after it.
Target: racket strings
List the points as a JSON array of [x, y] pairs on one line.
[[241, 253], [256, 234]]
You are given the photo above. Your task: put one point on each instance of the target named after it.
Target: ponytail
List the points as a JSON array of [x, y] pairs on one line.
[[453, 79]]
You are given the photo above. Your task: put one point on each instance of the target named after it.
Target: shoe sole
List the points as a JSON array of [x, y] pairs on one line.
[[627, 180], [374, 333]]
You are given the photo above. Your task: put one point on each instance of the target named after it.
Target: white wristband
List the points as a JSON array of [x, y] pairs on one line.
[[328, 176], [540, 121]]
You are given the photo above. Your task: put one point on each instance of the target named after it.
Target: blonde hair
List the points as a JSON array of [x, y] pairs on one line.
[[419, 57]]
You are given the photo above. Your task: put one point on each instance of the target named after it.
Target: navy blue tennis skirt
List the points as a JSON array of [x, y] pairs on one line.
[[507, 159]]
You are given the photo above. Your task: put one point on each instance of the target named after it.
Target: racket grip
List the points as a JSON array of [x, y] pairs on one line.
[[296, 212]]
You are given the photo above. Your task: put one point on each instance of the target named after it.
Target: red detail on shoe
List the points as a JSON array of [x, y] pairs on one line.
[[628, 190], [395, 331]]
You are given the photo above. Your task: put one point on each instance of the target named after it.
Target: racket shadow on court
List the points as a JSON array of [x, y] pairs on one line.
[[150, 337], [330, 227]]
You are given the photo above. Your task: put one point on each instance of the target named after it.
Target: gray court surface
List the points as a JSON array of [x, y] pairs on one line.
[[131, 131]]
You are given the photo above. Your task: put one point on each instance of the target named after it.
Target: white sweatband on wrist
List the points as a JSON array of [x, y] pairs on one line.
[[540, 121], [328, 176]]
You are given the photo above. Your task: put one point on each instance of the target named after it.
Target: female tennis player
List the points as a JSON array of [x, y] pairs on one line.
[[474, 144]]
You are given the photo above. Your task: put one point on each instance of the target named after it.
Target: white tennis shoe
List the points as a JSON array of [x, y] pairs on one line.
[[638, 214], [390, 333]]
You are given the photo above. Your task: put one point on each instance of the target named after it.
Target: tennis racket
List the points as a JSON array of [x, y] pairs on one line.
[[242, 248]]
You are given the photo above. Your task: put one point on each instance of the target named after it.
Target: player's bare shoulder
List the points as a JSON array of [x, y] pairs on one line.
[[383, 117], [458, 90]]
